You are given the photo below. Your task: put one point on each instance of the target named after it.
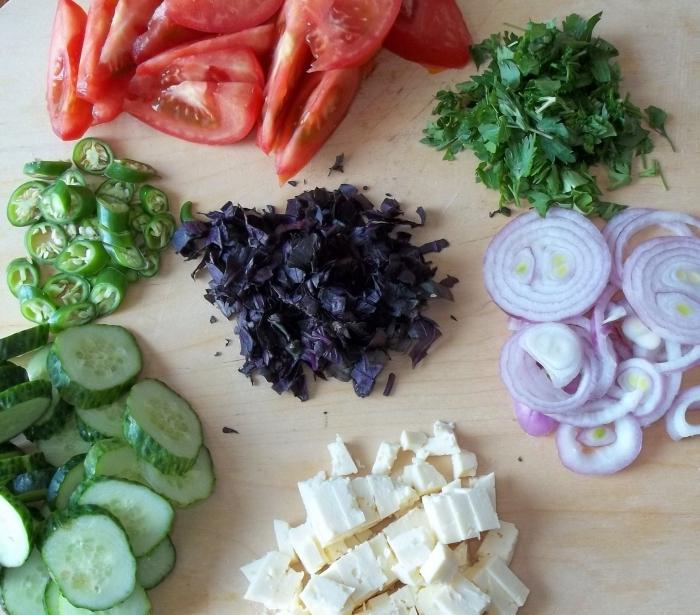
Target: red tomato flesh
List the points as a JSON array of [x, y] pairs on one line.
[[111, 104], [346, 33], [222, 16], [201, 111], [431, 32], [70, 116], [90, 81]]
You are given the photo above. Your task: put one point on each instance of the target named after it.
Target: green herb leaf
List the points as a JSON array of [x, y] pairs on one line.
[[657, 120]]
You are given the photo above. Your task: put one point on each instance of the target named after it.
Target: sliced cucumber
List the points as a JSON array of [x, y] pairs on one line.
[[17, 535], [31, 486], [64, 482], [113, 458], [21, 405], [23, 342], [87, 433], [23, 588], [145, 516], [36, 366], [52, 596], [162, 427], [52, 421], [136, 604], [195, 485], [11, 374], [106, 420], [94, 365], [88, 555], [153, 567], [64, 444], [13, 465]]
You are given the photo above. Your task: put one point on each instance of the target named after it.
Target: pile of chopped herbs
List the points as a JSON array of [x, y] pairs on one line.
[[333, 284], [547, 109]]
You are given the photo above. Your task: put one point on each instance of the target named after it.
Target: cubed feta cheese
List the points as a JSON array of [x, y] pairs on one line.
[[413, 440], [284, 544], [386, 457], [251, 570], [414, 518], [500, 542], [323, 596], [307, 548], [449, 517], [401, 602], [458, 598], [464, 464], [442, 442], [488, 482], [440, 567], [335, 550], [413, 547], [423, 477], [408, 576], [452, 485], [493, 576], [461, 552], [384, 555], [275, 586], [405, 597], [341, 460]]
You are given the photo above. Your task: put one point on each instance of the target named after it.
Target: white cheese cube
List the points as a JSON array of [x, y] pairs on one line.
[[341, 460], [464, 464], [386, 457], [423, 477], [442, 442], [331, 508], [483, 512], [384, 555], [408, 575], [365, 500], [401, 602], [406, 496], [360, 570], [380, 605], [404, 597], [450, 517], [275, 586], [440, 567], [335, 550], [307, 548], [414, 518], [500, 542], [413, 547], [413, 440], [452, 485], [458, 598], [488, 482], [284, 544], [461, 552], [492, 575], [323, 596], [251, 570]]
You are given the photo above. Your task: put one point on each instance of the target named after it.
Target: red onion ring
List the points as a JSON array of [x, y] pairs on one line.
[[597, 436], [533, 423], [547, 269], [677, 424], [601, 459], [666, 296], [601, 411], [650, 383], [681, 361]]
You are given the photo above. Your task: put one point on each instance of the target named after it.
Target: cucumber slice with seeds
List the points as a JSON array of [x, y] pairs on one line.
[[52, 421], [88, 555], [152, 568], [23, 588], [94, 365], [17, 535], [162, 427], [113, 458], [64, 444], [64, 482], [36, 366], [87, 433], [23, 342], [145, 516], [190, 488], [21, 405], [10, 375], [106, 420], [136, 604]]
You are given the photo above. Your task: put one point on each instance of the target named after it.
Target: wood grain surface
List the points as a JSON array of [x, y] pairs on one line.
[[628, 543]]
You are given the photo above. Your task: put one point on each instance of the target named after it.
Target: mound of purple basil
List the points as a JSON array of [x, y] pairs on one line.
[[333, 284]]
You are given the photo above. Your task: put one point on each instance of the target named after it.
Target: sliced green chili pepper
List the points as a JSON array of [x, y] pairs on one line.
[[23, 206], [153, 263], [131, 258], [92, 155], [108, 290], [186, 214], [72, 316], [127, 170], [66, 289], [113, 213], [34, 304], [64, 204], [84, 257], [46, 169], [153, 200], [88, 228], [159, 231], [130, 274], [73, 177], [138, 218], [124, 191], [21, 271], [123, 239], [45, 241]]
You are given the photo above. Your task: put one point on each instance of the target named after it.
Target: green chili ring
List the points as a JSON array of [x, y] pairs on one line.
[[108, 291], [66, 289], [45, 241], [21, 271], [85, 257], [23, 205], [34, 305], [128, 170], [46, 169], [92, 155]]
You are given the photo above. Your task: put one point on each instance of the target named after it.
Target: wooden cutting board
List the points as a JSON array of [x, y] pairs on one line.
[[628, 543]]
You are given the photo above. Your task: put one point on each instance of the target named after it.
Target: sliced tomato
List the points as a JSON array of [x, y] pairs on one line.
[[90, 81], [223, 16], [431, 32], [345, 33], [201, 111], [70, 115], [111, 104], [290, 60], [295, 108], [162, 33], [259, 40], [319, 117]]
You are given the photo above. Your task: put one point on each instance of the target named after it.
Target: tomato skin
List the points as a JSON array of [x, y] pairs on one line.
[[431, 32], [200, 111], [70, 116], [221, 16], [90, 75], [347, 33], [323, 112]]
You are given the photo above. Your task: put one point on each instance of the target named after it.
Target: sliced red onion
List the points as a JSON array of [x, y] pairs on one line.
[[601, 411], [547, 269], [556, 348], [597, 436], [607, 311], [681, 361], [533, 422], [662, 284], [639, 334], [640, 375], [677, 424], [672, 386], [606, 459]]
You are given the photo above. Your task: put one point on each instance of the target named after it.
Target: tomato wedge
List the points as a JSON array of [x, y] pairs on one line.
[[346, 33], [161, 33], [98, 23], [201, 111], [259, 40], [221, 16], [319, 117], [70, 116], [431, 32], [109, 106], [291, 58]]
